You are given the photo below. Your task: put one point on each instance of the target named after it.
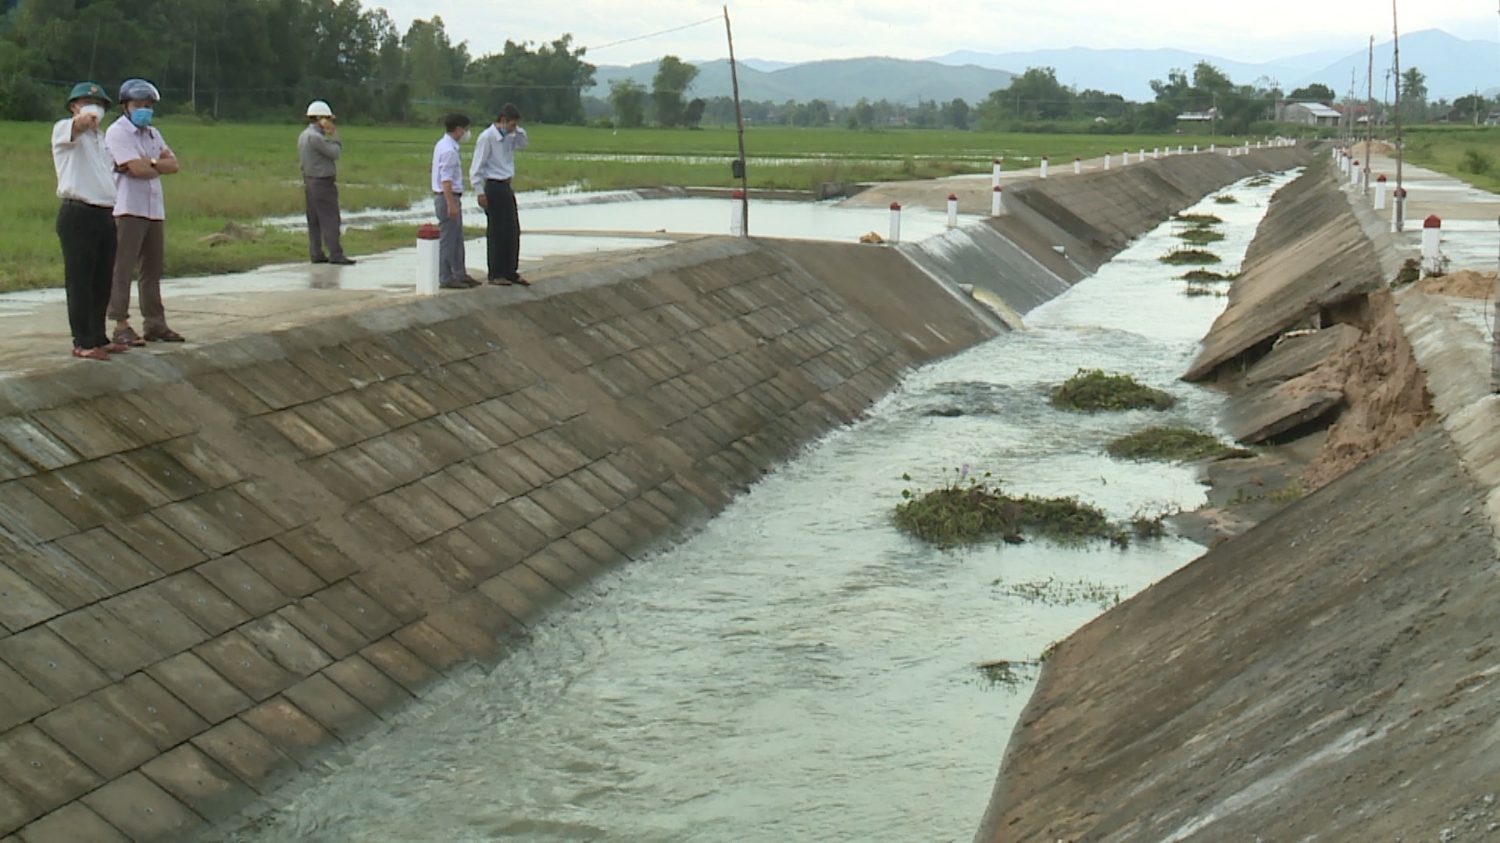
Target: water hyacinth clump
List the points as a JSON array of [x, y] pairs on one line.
[[1199, 220], [1202, 276], [969, 508], [1167, 444], [1200, 236], [1180, 257], [1091, 391]]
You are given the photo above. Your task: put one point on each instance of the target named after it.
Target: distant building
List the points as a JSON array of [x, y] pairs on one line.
[[1309, 114], [1198, 116]]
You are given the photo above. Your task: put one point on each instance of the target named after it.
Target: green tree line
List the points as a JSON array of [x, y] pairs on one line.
[[255, 59]]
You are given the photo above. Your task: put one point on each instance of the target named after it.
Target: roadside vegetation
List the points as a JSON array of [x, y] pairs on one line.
[[1186, 257], [1092, 391]]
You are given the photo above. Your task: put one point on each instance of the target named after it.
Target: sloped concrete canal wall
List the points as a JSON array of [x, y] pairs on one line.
[[218, 564]]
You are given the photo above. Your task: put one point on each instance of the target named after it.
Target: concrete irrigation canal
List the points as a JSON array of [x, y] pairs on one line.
[[613, 558]]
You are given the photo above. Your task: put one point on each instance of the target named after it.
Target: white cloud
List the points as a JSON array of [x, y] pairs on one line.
[[803, 30]]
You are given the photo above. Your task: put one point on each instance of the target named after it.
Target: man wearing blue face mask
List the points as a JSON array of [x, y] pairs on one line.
[[141, 158]]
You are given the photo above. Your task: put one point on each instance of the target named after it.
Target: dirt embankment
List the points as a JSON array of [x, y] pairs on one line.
[[1465, 283], [1385, 394]]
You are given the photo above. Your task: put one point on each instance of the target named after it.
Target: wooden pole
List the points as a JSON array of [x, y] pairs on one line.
[[739, 120]]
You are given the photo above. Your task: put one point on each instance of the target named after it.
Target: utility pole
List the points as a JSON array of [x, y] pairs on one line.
[[1399, 219], [1369, 117], [193, 84], [739, 120]]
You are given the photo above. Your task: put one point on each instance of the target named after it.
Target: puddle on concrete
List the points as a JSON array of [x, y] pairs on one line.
[[799, 669]]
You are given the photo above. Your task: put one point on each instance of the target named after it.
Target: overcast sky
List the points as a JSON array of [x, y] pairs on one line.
[[805, 30]]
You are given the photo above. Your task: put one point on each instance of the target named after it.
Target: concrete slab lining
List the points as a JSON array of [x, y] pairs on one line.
[[222, 561]]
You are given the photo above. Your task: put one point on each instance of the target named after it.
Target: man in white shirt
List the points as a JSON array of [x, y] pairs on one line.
[[448, 191], [491, 173], [85, 222]]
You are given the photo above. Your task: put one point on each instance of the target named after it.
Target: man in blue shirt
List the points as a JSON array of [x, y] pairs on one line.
[[447, 192], [491, 173]]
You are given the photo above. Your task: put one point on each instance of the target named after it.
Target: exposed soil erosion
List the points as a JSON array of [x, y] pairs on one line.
[[1466, 283], [1385, 394]]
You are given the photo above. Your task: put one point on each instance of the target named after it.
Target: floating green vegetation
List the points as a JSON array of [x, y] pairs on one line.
[[968, 509], [1259, 181], [1200, 276], [1184, 257], [1200, 236], [1196, 290], [1054, 592], [1198, 219], [1225, 199], [1091, 391], [1411, 271], [1168, 444], [1009, 675], [1286, 494]]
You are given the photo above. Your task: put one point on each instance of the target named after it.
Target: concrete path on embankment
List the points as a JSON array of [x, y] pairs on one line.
[[1331, 673]]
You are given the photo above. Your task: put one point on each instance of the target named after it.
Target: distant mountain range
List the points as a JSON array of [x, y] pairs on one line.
[[1453, 67], [841, 81]]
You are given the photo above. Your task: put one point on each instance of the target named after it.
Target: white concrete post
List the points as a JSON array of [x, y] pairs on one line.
[[1380, 193], [737, 213], [1155, 152], [895, 222], [1398, 209], [1195, 149], [995, 202], [427, 260], [995, 173], [1213, 147], [1044, 166], [1432, 245], [1106, 160], [1077, 166], [953, 210], [1354, 173], [1125, 158], [1143, 153], [1179, 149]]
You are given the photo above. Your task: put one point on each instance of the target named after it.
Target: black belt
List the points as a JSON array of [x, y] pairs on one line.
[[497, 181], [82, 204]]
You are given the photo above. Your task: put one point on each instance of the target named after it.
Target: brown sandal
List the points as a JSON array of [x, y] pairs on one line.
[[522, 281], [165, 335], [127, 337], [90, 353]]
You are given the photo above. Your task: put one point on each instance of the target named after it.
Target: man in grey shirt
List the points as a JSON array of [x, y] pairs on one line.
[[318, 150]]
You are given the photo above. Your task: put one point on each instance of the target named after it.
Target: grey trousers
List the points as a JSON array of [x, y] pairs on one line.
[[323, 222], [139, 243], [450, 242]]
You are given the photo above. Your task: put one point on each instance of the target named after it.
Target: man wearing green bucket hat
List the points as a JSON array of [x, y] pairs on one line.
[[85, 222]]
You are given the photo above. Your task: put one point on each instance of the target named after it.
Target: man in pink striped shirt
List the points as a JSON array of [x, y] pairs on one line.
[[141, 157]]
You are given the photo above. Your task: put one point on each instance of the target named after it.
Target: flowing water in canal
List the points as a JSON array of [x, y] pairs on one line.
[[799, 670]]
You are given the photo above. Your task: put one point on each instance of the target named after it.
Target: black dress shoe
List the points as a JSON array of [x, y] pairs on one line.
[[320, 260], [342, 261], [455, 285]]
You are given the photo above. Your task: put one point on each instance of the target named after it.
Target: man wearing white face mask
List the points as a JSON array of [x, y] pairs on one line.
[[447, 201], [141, 158], [85, 222]]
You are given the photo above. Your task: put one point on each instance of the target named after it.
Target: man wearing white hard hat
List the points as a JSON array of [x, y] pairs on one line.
[[318, 149]]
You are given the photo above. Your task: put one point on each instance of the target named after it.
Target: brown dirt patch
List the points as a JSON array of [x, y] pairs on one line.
[[1385, 394], [1466, 283], [1380, 147]]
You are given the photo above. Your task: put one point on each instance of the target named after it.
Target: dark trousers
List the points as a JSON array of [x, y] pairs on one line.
[[503, 233], [139, 242], [323, 219], [87, 233]]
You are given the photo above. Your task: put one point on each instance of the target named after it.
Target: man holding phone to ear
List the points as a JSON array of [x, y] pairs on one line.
[[490, 175], [318, 150], [85, 222]]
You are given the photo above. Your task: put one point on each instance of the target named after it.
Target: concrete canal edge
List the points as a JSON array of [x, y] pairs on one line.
[[1333, 671], [220, 564]]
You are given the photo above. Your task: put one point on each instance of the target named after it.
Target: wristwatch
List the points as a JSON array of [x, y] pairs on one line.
[[153, 163]]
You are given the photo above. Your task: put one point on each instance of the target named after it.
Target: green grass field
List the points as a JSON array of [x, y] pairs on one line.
[[1466, 152], [246, 172]]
